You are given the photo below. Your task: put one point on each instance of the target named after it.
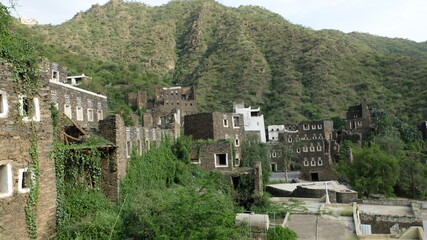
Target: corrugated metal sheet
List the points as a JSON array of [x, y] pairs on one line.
[[366, 228]]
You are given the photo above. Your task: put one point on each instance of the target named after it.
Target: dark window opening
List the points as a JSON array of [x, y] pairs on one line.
[[1, 103], [26, 177], [221, 159], [26, 106], [236, 121]]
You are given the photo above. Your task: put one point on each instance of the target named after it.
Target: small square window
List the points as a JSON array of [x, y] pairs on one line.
[[306, 164], [319, 126], [313, 163], [305, 149], [313, 127], [236, 121], [298, 150], [29, 108], [290, 139], [4, 107], [100, 115], [306, 127], [319, 148], [311, 148], [237, 142], [221, 160]]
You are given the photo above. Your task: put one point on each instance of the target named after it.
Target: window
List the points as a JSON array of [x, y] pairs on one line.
[[24, 180], [355, 116], [90, 115], [359, 123], [225, 122], [128, 149], [67, 110], [6, 187], [55, 76], [289, 139], [313, 162], [4, 107], [319, 161], [314, 136], [306, 162], [221, 160], [319, 126], [194, 161], [274, 154], [138, 142], [100, 115], [298, 150], [313, 127], [305, 137], [311, 148], [305, 149], [236, 121], [237, 142], [29, 108], [306, 127], [237, 162], [79, 113], [319, 148]]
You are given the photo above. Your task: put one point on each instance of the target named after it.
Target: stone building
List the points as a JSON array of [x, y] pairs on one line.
[[169, 98], [84, 107], [217, 126], [253, 120], [273, 132], [358, 120], [24, 119], [312, 147]]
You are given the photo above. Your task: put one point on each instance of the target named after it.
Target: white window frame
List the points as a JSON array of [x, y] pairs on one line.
[[68, 110], [36, 109], [313, 126], [57, 76], [225, 122], [312, 148], [100, 115], [20, 180], [90, 115], [306, 163], [289, 139], [319, 161], [306, 126], [226, 160], [79, 114], [128, 148], [234, 125], [5, 105], [313, 162], [6, 180], [274, 154], [236, 142], [298, 150], [319, 126], [305, 149]]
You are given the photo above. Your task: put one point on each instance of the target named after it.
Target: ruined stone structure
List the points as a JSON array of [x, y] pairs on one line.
[[84, 107], [253, 120], [312, 147], [273, 132], [17, 114], [217, 155], [217, 126], [358, 120], [137, 99], [170, 98]]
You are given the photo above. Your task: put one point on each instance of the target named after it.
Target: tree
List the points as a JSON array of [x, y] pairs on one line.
[[372, 171]]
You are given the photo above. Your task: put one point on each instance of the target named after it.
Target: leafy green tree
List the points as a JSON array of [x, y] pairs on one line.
[[372, 171]]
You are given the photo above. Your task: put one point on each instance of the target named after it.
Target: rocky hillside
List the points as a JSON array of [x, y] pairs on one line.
[[239, 54]]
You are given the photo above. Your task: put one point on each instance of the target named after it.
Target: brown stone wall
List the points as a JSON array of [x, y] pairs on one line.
[[205, 153], [137, 99], [199, 126], [15, 135], [62, 94], [114, 165], [381, 224]]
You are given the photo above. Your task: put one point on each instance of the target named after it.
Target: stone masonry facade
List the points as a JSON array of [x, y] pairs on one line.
[[15, 160]]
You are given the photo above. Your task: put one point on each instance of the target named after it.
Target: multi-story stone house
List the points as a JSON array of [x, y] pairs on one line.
[[222, 155], [25, 128], [311, 146], [253, 120], [358, 120]]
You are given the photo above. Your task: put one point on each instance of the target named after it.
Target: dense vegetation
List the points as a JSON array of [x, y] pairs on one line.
[[238, 54], [392, 162]]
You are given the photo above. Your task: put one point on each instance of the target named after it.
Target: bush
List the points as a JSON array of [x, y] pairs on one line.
[[281, 233]]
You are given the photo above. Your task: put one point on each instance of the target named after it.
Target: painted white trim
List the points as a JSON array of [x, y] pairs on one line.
[[90, 115], [36, 109], [79, 114], [99, 115], [79, 89], [20, 174], [5, 104], [226, 159], [8, 179], [69, 113]]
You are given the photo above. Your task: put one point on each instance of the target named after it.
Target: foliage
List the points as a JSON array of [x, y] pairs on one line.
[[373, 171], [237, 54], [182, 148], [281, 233]]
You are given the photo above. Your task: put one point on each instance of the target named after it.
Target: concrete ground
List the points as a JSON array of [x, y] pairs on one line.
[[304, 225]]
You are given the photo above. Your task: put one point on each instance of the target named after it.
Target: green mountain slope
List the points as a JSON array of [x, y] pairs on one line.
[[240, 54]]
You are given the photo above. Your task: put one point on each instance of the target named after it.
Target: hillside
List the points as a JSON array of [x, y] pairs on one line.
[[239, 54]]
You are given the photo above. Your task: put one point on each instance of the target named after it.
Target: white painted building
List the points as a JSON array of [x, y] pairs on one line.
[[273, 132], [252, 118]]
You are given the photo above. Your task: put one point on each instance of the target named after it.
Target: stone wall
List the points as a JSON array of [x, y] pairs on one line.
[[15, 136], [84, 107], [347, 196], [381, 224], [206, 155]]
